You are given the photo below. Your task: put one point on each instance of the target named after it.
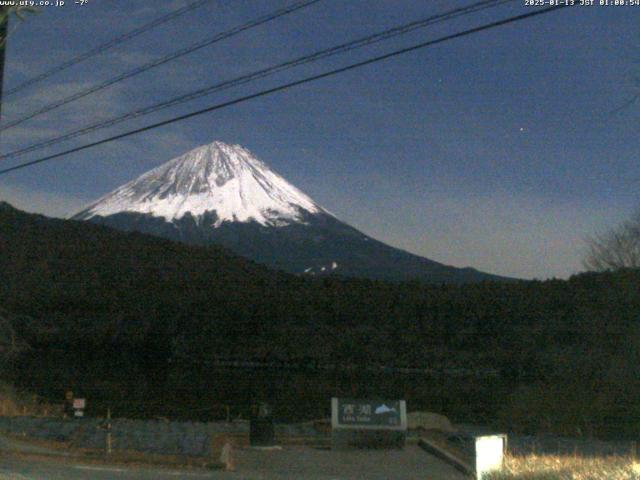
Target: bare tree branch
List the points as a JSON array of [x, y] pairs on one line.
[[615, 249], [19, 12]]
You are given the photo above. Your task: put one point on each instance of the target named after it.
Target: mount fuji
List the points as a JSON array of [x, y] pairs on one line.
[[222, 194]]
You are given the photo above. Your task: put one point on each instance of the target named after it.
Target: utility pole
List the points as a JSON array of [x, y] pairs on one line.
[[4, 28]]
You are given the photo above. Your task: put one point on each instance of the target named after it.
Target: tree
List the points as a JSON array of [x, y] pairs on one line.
[[5, 13], [618, 248], [11, 344]]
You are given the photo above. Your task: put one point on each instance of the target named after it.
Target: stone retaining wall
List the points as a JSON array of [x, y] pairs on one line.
[[149, 436]]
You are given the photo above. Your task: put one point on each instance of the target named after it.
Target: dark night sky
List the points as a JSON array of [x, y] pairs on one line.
[[502, 150]]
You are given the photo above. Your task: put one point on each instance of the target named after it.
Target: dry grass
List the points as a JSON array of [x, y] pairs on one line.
[[556, 467], [14, 403]]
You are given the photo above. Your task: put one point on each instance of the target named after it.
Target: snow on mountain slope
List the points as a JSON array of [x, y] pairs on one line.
[[221, 194], [227, 179]]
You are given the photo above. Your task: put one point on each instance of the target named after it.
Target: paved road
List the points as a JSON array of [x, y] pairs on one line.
[[251, 464], [308, 463], [28, 469], [17, 462]]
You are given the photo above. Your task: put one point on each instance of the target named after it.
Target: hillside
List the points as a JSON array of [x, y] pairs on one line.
[[75, 270], [138, 323]]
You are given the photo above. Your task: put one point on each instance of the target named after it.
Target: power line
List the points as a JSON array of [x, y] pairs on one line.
[[108, 45], [286, 86], [241, 80], [161, 61]]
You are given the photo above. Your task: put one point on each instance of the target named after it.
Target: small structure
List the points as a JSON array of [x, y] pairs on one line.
[[368, 423], [429, 421], [489, 454], [261, 428]]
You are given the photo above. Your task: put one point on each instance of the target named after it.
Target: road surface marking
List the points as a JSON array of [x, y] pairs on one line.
[[123, 470], [9, 475], [188, 474], [101, 469]]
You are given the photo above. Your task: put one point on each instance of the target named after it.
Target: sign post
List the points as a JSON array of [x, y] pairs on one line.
[[68, 404], [79, 404], [368, 423], [108, 428]]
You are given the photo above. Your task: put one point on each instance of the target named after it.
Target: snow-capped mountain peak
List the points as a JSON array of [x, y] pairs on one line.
[[226, 179], [222, 194]]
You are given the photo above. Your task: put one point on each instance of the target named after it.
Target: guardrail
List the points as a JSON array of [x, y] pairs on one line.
[[226, 362]]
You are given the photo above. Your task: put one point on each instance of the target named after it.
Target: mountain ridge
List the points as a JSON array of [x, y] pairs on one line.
[[222, 194]]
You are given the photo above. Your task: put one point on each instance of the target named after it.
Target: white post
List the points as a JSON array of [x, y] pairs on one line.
[[108, 431], [489, 454]]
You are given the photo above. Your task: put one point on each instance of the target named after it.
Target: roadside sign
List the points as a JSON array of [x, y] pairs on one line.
[[79, 405], [361, 423], [374, 414]]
